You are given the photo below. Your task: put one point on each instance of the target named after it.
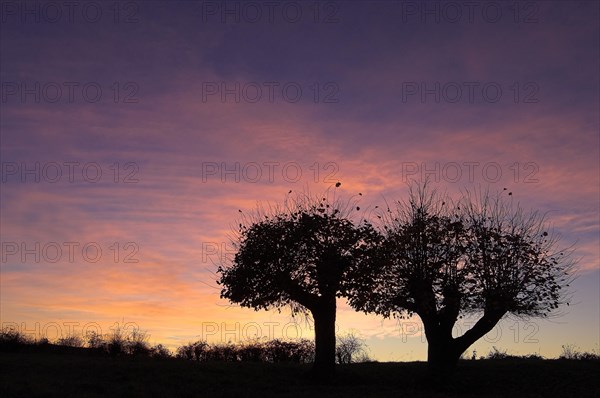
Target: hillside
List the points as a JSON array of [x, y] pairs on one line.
[[79, 372]]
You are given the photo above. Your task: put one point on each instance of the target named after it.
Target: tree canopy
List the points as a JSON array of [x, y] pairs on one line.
[[300, 255], [480, 255], [296, 255]]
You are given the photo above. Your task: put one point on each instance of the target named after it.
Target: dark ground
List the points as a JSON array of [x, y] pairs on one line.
[[80, 373]]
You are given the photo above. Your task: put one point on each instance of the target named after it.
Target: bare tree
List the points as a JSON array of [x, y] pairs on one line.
[[350, 348]]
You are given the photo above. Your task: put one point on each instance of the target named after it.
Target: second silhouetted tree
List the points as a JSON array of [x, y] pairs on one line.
[[480, 256]]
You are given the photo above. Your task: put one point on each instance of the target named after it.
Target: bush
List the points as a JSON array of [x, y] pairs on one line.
[[495, 353], [222, 352], [274, 351], [137, 343], [185, 352], [115, 344], [304, 351], [120, 343], [351, 348], [70, 341], [197, 351], [300, 351], [96, 342], [572, 352], [253, 351], [12, 339], [534, 356], [159, 351]]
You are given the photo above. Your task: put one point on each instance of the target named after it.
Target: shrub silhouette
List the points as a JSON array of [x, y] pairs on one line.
[[96, 342], [572, 352], [119, 342], [252, 351], [136, 343], [11, 339], [225, 352], [350, 348], [301, 351], [272, 351], [495, 353], [70, 341], [116, 343], [193, 351], [275, 351], [159, 351]]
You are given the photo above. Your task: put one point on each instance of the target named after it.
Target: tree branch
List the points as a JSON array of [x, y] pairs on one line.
[[483, 326]]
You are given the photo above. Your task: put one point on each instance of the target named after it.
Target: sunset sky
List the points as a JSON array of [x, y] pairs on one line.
[[131, 135]]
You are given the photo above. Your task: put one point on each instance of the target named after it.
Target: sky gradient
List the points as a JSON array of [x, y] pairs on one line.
[[131, 137]]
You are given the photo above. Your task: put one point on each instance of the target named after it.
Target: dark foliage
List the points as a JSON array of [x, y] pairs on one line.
[[479, 255], [75, 374], [300, 256], [273, 351]]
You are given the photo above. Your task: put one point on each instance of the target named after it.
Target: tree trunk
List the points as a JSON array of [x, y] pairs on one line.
[[442, 351], [324, 317], [442, 358]]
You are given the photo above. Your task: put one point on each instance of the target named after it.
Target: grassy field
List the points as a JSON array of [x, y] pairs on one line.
[[80, 373]]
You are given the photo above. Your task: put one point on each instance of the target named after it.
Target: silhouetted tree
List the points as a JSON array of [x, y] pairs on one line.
[[478, 256], [300, 256], [350, 348]]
